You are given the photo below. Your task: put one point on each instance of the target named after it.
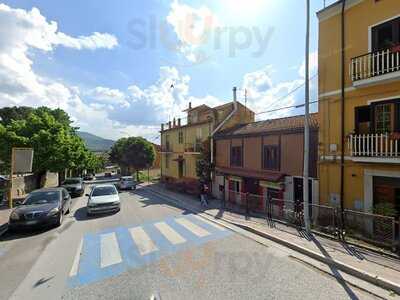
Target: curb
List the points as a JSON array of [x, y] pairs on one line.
[[373, 279]]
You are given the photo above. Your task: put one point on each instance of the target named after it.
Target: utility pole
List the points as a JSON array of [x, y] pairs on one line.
[[306, 124]]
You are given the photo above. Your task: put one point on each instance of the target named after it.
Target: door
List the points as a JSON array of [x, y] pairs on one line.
[[180, 169]]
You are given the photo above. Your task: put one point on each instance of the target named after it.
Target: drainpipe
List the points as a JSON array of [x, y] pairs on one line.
[[235, 108], [342, 104]]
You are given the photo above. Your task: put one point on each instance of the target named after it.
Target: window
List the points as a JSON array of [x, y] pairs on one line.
[[235, 186], [383, 118], [180, 137], [167, 162], [271, 157], [363, 119], [386, 35], [199, 133], [236, 156]]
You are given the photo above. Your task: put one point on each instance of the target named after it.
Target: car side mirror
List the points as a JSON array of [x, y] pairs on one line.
[[87, 195], [18, 203]]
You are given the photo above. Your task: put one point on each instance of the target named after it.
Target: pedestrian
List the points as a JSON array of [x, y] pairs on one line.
[[203, 196]]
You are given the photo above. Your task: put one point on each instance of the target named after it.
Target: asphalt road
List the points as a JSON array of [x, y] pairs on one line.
[[153, 248]]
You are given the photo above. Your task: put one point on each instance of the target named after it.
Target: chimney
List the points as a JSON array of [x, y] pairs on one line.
[[190, 105], [179, 122], [162, 127], [234, 94], [174, 123], [169, 125]]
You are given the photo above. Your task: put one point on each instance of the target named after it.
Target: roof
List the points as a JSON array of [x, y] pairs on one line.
[[269, 126], [202, 107]]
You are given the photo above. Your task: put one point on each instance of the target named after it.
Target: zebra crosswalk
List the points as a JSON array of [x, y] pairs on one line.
[[112, 252]]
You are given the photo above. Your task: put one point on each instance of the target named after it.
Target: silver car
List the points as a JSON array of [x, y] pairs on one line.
[[103, 199], [127, 183]]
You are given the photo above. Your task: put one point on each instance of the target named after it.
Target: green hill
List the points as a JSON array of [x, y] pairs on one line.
[[95, 143]]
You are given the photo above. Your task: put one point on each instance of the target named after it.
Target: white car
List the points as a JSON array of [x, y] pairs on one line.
[[102, 199], [127, 183]]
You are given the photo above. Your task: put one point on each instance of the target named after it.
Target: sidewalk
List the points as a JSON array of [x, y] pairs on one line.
[[381, 270]]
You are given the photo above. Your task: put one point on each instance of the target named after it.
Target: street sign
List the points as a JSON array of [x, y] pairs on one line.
[[22, 159]]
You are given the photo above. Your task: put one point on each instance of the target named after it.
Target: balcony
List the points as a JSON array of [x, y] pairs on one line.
[[193, 148], [377, 66], [383, 147]]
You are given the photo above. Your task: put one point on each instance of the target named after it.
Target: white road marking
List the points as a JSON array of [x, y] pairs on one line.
[[209, 223], [75, 264], [170, 234], [197, 230], [142, 241], [110, 254]]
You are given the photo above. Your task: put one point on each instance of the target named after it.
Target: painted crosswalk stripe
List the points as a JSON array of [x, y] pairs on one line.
[[170, 234], [197, 230], [209, 223], [109, 250], [75, 264], [142, 241]]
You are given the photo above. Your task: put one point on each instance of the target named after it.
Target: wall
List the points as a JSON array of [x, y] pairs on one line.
[[291, 161], [23, 185], [358, 19]]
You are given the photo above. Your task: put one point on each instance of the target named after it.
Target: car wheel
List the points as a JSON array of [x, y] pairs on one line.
[[60, 219]]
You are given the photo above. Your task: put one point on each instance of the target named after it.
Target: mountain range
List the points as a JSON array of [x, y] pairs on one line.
[[96, 143]]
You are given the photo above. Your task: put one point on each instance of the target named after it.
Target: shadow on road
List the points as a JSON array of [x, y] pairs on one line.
[[334, 270], [81, 214], [148, 198], [27, 233]]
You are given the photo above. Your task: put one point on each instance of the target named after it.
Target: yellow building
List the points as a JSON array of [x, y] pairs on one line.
[[366, 100], [181, 144]]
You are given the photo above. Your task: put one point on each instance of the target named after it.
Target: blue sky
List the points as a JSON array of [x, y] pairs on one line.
[[111, 64]]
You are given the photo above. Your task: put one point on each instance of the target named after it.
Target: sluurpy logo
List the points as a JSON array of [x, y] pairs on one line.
[[198, 36]]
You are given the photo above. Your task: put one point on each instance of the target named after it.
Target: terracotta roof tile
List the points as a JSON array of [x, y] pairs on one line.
[[282, 124]]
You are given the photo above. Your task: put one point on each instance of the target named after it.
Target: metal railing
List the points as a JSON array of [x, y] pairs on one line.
[[375, 64], [374, 145], [372, 228]]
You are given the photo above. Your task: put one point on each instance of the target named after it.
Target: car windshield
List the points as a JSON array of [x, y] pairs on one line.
[[104, 191], [42, 198], [72, 181]]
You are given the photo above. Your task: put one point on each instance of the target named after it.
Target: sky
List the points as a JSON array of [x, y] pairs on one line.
[[121, 68]]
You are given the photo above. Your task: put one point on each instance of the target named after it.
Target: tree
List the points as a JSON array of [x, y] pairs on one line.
[[49, 132], [203, 164], [133, 152]]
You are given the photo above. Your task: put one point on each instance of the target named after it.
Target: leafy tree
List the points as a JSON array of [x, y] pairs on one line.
[[55, 143], [203, 164], [133, 152], [7, 114]]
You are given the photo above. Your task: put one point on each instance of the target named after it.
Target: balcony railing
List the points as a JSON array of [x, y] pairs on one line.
[[193, 147], [375, 64], [385, 145]]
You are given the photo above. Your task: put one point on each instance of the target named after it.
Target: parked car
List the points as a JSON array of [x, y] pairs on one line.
[[41, 207], [89, 177], [103, 199], [74, 186], [107, 174], [127, 183]]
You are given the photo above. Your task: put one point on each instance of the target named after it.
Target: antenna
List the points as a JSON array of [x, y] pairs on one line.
[[245, 101]]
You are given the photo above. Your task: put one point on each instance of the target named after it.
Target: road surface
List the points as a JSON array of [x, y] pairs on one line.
[[153, 249]]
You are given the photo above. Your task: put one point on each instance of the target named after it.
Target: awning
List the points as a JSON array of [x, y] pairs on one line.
[[270, 184], [261, 175]]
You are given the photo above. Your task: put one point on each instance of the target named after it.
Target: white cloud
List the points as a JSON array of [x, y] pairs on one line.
[[264, 95], [109, 96], [313, 68], [192, 27]]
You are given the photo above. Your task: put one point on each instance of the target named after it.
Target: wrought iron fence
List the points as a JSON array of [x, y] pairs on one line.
[[371, 227], [377, 229]]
